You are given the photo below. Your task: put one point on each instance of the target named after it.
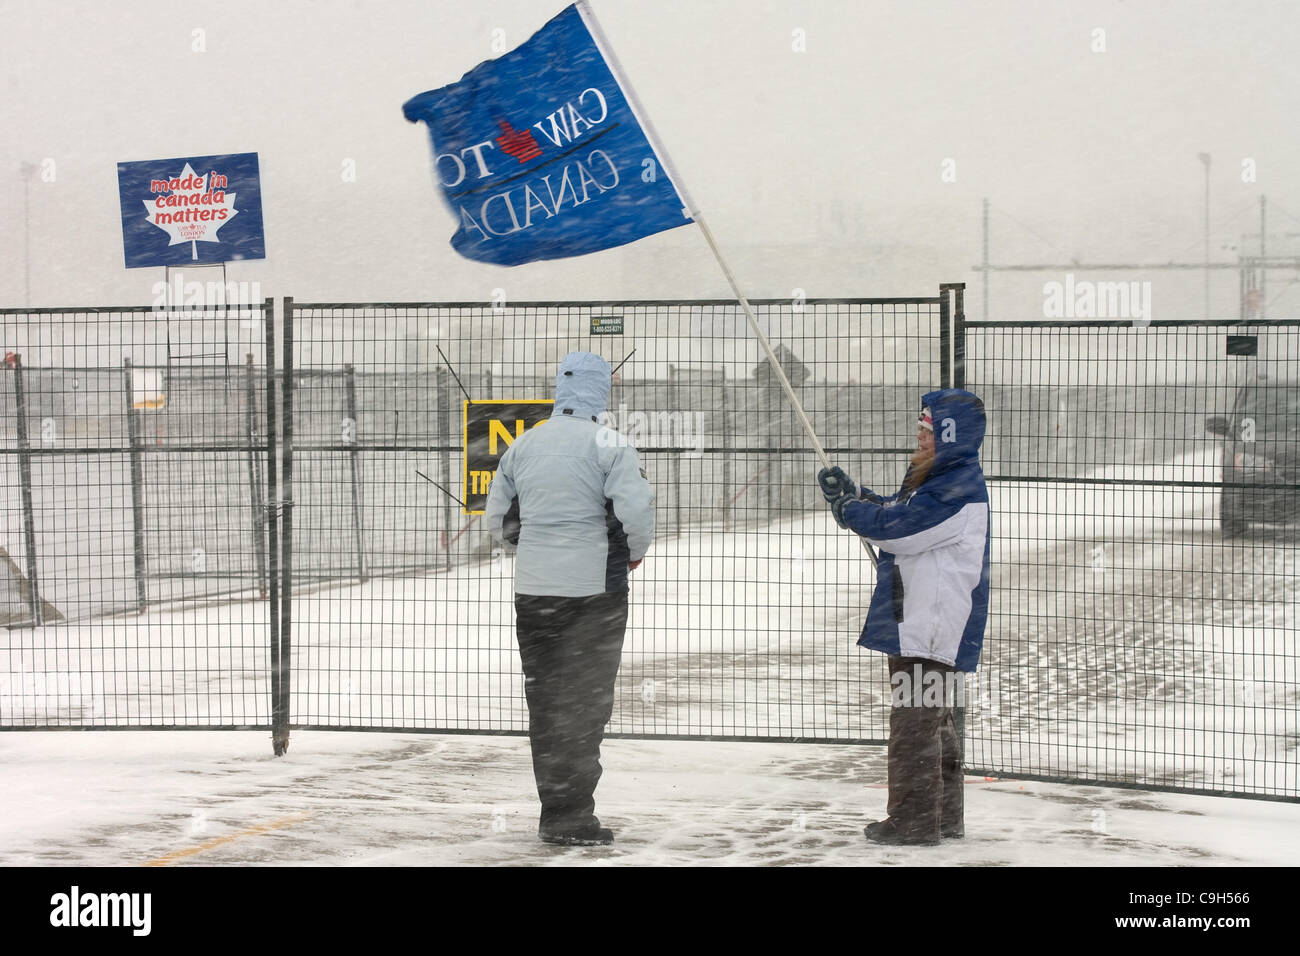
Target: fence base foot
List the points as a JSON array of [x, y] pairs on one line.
[[280, 744]]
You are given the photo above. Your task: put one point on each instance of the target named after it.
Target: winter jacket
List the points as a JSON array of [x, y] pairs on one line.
[[932, 580], [571, 493]]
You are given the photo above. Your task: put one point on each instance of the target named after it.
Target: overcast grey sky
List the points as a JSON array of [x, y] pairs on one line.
[[819, 164]]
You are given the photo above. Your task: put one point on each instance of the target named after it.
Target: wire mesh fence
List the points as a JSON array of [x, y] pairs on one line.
[[134, 461], [1144, 487], [745, 614], [1142, 475]]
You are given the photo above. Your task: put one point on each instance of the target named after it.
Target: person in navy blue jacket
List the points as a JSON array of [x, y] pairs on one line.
[[929, 608], [571, 495]]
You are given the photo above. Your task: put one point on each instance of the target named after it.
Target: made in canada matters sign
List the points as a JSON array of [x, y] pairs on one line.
[[191, 209]]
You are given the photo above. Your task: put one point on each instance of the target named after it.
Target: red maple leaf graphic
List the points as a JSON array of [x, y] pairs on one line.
[[518, 143]]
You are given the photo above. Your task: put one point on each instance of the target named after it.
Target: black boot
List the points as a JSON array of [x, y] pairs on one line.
[[592, 834], [887, 833]]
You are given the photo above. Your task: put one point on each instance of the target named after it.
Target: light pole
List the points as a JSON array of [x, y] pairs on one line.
[[985, 273], [1205, 161], [28, 170]]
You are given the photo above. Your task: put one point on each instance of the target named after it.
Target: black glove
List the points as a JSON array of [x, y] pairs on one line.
[[834, 483]]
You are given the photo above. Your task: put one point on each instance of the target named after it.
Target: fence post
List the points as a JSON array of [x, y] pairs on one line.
[[279, 732], [25, 483], [945, 340], [255, 477], [959, 343], [350, 390], [959, 381], [771, 440], [957, 371], [442, 426], [137, 485], [725, 405], [676, 453]]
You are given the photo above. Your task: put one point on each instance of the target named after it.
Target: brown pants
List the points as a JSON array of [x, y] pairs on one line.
[[925, 761]]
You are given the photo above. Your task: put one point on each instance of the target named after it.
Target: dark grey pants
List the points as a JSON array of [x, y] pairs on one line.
[[925, 760], [570, 649]]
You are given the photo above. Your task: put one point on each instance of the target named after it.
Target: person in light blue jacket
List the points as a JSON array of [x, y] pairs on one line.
[[929, 608], [572, 496]]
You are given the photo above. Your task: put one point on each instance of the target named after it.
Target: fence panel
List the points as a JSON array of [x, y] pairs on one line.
[[134, 553], [1142, 633], [1143, 480], [744, 615]]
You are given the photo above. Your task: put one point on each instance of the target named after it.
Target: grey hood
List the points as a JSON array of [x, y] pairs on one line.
[[582, 385]]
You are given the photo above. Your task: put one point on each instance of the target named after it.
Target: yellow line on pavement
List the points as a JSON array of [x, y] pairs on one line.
[[229, 838]]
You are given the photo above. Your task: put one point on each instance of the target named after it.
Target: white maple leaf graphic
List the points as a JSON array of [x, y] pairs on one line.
[[190, 212]]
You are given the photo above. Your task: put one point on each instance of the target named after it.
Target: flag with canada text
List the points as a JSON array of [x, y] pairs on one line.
[[540, 153]]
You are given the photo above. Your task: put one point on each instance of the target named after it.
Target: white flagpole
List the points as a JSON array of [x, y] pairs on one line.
[[774, 361], [767, 346], [690, 209]]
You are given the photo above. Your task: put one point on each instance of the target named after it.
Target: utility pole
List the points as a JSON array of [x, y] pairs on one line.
[[1205, 161], [1263, 273], [985, 316], [28, 170]]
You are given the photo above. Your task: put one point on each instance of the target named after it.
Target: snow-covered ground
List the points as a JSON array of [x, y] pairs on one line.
[[179, 798]]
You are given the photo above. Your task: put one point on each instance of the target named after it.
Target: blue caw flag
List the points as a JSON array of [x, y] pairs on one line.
[[541, 154]]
